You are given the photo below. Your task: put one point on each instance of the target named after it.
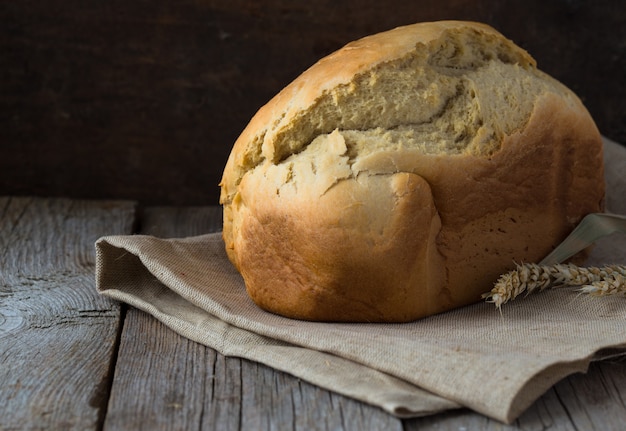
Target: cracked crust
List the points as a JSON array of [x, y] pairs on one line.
[[398, 177]]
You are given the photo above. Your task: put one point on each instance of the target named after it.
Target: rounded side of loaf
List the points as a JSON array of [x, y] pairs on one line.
[[399, 176]]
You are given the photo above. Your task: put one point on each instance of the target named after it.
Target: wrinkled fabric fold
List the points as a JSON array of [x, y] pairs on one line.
[[494, 363]]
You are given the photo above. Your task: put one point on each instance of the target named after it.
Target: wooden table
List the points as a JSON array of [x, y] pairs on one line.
[[71, 359]]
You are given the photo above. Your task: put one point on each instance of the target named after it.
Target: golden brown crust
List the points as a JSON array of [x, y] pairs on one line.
[[367, 225], [332, 260]]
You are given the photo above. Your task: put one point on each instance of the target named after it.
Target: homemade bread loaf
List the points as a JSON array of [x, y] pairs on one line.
[[401, 175]]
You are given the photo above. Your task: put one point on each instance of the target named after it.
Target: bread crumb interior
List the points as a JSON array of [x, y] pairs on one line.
[[458, 95]]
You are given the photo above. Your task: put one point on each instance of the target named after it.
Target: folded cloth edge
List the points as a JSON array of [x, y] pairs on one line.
[[126, 246], [395, 396]]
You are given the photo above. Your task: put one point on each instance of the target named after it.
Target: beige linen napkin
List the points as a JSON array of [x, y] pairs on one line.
[[496, 364]]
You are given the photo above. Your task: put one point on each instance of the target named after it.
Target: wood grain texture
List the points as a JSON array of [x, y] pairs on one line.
[[144, 99], [185, 385], [57, 336]]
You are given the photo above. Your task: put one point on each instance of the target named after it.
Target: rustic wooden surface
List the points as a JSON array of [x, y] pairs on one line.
[[57, 337], [70, 359], [142, 100]]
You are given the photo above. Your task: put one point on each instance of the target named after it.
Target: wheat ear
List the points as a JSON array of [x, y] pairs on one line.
[[529, 277]]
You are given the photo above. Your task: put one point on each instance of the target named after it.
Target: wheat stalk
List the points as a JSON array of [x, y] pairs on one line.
[[529, 277]]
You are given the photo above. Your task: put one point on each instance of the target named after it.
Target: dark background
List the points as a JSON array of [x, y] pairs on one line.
[[143, 99]]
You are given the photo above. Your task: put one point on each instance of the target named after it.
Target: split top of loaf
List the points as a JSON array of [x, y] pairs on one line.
[[447, 87]]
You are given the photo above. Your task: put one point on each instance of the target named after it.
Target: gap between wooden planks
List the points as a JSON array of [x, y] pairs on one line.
[[58, 338]]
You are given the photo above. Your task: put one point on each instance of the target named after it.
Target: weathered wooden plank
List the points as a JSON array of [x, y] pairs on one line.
[[184, 385], [169, 222], [159, 380], [273, 400], [596, 400], [57, 335]]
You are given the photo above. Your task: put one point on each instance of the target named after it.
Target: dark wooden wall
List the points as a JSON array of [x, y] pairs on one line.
[[142, 99]]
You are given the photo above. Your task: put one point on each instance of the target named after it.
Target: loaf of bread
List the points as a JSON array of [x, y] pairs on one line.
[[401, 175]]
